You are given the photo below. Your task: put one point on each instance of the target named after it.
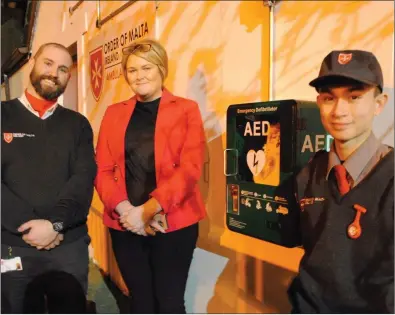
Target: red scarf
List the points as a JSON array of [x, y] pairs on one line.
[[39, 105]]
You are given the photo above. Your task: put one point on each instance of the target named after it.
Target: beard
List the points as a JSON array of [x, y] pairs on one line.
[[47, 92]]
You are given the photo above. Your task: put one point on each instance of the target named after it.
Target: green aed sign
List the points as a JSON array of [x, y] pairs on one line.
[[267, 143]]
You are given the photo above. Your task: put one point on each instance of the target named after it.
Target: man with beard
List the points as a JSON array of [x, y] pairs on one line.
[[48, 169]]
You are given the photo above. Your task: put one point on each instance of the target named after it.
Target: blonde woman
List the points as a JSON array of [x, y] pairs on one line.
[[150, 155]]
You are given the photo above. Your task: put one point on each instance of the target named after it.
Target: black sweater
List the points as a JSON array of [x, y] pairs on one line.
[[339, 274], [47, 170]]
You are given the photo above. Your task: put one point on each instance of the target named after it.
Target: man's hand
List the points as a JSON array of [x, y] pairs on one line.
[[56, 242], [40, 235]]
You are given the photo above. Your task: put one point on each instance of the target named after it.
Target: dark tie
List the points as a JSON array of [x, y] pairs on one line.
[[341, 177]]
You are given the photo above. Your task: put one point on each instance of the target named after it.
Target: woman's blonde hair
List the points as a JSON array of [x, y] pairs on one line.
[[156, 55]]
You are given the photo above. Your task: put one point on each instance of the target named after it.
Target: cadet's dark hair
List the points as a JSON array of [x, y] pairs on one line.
[[377, 91], [355, 85]]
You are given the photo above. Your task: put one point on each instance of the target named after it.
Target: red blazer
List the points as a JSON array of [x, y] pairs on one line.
[[179, 157]]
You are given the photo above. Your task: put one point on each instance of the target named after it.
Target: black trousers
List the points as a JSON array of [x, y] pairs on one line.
[[155, 268], [72, 258]]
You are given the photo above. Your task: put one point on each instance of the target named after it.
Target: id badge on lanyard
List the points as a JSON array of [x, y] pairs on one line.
[[11, 263]]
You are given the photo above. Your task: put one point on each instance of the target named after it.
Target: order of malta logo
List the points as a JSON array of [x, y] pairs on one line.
[[96, 72], [8, 137], [344, 58]]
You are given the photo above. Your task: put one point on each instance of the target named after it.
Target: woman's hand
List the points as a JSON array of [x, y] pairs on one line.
[[132, 219], [150, 229], [135, 218], [156, 227], [150, 208]]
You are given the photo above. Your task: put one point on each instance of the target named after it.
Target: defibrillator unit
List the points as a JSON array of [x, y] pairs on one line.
[[267, 143]]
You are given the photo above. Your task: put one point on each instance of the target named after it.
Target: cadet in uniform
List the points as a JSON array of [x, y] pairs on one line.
[[346, 197]]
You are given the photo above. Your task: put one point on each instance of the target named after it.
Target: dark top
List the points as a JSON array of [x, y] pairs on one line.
[[47, 170], [139, 152], [339, 274]]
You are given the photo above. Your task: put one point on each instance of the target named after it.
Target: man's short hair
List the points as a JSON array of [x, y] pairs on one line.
[[57, 45]]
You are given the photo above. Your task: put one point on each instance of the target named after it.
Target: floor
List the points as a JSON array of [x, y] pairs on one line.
[[107, 297]]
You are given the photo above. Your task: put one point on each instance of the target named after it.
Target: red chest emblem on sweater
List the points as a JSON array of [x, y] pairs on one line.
[[96, 72], [8, 137]]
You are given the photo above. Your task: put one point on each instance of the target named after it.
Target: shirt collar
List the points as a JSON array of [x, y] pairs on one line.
[[357, 161], [23, 99]]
